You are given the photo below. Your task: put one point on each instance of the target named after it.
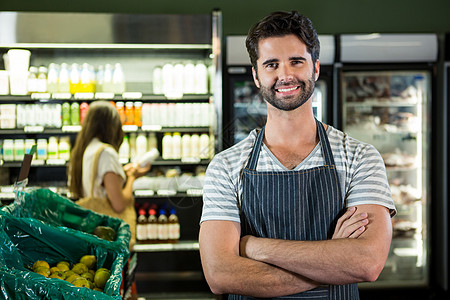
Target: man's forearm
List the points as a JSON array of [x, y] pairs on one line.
[[338, 261]]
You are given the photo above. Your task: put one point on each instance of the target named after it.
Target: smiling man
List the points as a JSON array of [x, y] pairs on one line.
[[298, 208]]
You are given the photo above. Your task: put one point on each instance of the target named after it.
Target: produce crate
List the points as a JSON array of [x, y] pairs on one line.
[[26, 240], [58, 211]]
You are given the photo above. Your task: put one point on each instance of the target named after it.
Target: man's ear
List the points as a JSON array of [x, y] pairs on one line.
[[317, 70], [255, 78]]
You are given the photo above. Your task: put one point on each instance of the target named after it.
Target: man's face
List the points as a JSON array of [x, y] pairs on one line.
[[286, 75]]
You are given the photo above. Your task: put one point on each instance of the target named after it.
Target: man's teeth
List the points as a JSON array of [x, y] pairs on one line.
[[287, 90]]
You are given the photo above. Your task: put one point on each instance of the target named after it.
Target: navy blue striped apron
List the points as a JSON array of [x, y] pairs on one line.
[[294, 205]]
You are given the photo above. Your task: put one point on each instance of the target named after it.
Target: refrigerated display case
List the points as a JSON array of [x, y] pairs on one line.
[[141, 45], [244, 109], [386, 95]]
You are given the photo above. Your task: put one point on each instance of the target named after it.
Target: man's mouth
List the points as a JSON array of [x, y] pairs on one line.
[[284, 90]]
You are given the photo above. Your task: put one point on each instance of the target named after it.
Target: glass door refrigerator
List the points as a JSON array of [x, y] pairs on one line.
[[386, 89], [244, 109]]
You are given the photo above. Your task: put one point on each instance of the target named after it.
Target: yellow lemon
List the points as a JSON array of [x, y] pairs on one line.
[[41, 263], [89, 261]]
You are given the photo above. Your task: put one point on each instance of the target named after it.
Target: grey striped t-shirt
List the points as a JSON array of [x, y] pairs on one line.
[[361, 171]]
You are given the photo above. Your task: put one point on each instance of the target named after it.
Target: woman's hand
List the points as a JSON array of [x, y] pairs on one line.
[[350, 225], [133, 170]]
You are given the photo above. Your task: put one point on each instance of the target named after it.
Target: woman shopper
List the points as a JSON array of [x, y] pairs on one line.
[[101, 136]]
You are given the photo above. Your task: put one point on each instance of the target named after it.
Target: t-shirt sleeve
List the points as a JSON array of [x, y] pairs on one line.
[[369, 183], [109, 162], [219, 193]]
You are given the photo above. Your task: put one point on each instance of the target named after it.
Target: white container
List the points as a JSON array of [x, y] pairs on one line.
[[201, 79], [176, 145], [167, 79], [52, 148], [124, 150], [118, 79], [167, 149], [18, 83], [4, 82], [157, 81], [41, 152], [52, 78], [178, 79], [186, 146], [204, 146], [8, 150], [64, 79], [18, 60], [108, 79], [148, 157], [7, 116], [152, 141], [19, 149], [41, 82], [195, 145], [64, 148], [189, 79], [29, 143], [141, 145]]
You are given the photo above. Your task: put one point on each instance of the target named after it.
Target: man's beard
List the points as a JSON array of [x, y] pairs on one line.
[[290, 102]]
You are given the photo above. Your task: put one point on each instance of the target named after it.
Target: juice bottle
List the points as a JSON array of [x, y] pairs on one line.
[[141, 227], [85, 80], [84, 106], [163, 226], [157, 80], [65, 113], [129, 113], [19, 149], [141, 145], [138, 113], [52, 151], [108, 79], [152, 141], [188, 80], [121, 109], [167, 149], [75, 113], [176, 145], [152, 226], [74, 79], [118, 80], [204, 146], [201, 78], [52, 78], [64, 79], [41, 152], [174, 227], [124, 150], [64, 148], [186, 146], [41, 82]]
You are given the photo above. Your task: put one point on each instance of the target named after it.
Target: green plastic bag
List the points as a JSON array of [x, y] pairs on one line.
[[26, 240], [56, 210]]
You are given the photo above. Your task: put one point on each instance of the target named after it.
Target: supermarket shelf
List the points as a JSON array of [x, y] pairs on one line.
[[180, 246], [383, 102]]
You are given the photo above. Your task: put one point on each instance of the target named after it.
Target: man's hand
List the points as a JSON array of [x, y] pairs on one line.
[[351, 224]]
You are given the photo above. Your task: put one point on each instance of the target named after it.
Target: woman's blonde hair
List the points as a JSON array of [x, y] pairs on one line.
[[102, 121]]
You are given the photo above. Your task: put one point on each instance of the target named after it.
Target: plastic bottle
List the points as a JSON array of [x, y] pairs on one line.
[[84, 106], [152, 226], [118, 79], [52, 78], [148, 157], [176, 145], [163, 226], [32, 80], [41, 152], [75, 113], [186, 146], [121, 109], [167, 148], [167, 79], [201, 78], [8, 150], [108, 79], [29, 143], [74, 79], [141, 227], [178, 79], [85, 80], [189, 78], [64, 148], [138, 113], [132, 142], [99, 79], [64, 79], [41, 82], [124, 150], [141, 145], [157, 80], [129, 113], [174, 227], [65, 113], [204, 146], [19, 149], [152, 141], [195, 145], [52, 148]]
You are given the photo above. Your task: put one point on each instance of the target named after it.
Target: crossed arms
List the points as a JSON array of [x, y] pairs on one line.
[[262, 267]]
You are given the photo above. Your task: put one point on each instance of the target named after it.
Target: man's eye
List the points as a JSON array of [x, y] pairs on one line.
[[297, 62], [271, 66]]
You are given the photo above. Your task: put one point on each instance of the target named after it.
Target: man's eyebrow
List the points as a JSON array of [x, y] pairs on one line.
[[269, 61], [297, 58]]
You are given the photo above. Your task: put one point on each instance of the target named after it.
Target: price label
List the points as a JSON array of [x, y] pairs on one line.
[[62, 96], [104, 96], [33, 128], [166, 192], [151, 127], [84, 96], [191, 160], [132, 95], [129, 128], [40, 96], [71, 128], [144, 193], [194, 192]]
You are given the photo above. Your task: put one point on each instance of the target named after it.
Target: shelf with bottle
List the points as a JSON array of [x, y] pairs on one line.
[[384, 102]]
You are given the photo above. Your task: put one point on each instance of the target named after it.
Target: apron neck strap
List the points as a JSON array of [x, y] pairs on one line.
[[326, 148]]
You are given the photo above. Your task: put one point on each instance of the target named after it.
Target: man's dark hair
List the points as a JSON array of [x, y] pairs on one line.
[[279, 24]]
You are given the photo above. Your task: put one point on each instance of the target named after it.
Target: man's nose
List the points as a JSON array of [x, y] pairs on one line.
[[285, 73]]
